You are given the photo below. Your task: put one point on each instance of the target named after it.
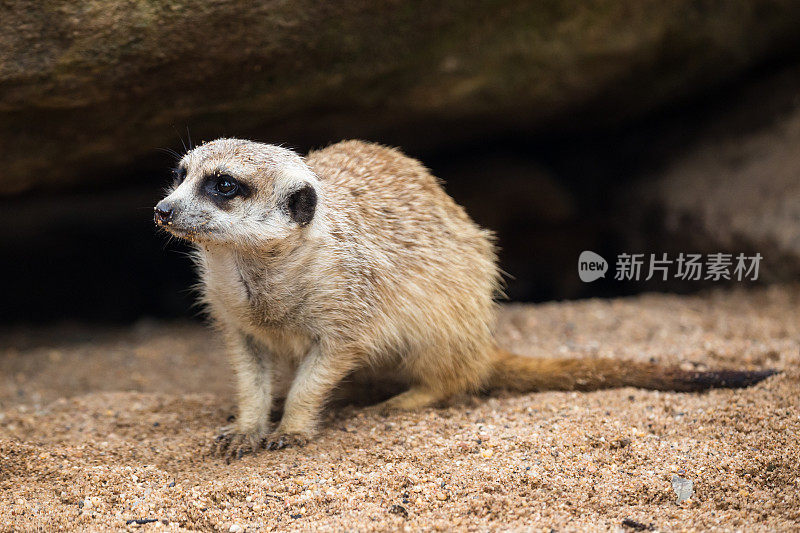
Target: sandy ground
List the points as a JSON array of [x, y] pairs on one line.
[[98, 428]]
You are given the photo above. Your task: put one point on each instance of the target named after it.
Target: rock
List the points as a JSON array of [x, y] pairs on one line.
[[87, 89], [684, 488]]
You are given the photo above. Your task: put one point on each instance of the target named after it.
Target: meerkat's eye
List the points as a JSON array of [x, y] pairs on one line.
[[223, 186]]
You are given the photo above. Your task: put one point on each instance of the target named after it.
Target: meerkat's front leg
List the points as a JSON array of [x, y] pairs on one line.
[[314, 382], [253, 367]]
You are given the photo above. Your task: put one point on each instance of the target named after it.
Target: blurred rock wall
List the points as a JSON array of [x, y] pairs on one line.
[[735, 187], [89, 88]]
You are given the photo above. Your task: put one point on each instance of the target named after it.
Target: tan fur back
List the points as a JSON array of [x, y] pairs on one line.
[[425, 274]]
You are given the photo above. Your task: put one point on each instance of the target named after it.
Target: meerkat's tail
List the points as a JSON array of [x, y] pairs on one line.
[[530, 374]]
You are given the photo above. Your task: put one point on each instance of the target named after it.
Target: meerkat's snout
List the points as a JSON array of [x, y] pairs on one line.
[[163, 212]]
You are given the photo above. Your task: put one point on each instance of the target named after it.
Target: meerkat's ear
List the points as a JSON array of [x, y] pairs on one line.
[[302, 204]]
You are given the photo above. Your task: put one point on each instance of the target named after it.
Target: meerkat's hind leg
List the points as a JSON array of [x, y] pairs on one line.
[[417, 397], [436, 374]]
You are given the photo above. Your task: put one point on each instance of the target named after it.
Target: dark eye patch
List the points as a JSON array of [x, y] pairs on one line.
[[178, 175], [222, 187], [302, 204]]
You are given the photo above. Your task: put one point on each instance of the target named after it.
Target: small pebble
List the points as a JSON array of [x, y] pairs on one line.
[[399, 510]]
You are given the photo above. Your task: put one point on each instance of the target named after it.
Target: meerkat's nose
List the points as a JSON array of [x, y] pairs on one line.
[[163, 212]]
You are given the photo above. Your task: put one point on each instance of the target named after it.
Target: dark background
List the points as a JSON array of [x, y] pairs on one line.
[[554, 171]]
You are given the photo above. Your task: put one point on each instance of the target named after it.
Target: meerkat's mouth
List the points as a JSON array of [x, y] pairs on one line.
[[193, 233]]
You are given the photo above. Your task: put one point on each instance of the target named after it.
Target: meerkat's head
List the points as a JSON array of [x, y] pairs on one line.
[[239, 193]]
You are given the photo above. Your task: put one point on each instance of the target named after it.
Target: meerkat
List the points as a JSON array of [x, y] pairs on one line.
[[356, 257]]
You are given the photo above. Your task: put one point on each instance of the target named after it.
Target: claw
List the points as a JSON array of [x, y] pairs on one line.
[[235, 445], [281, 441]]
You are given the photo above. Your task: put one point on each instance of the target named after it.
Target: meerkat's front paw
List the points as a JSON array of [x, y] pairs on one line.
[[232, 444], [279, 441]]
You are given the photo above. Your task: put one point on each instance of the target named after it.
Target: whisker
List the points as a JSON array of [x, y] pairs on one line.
[[180, 137], [171, 152]]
